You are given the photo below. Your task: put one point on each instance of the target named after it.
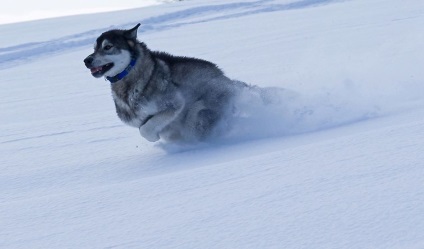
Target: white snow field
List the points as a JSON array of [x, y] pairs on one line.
[[341, 166], [24, 10]]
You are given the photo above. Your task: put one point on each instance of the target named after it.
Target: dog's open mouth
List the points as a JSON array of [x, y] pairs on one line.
[[99, 71]]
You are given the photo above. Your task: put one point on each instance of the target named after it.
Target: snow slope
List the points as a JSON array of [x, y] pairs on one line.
[[19, 11], [339, 167]]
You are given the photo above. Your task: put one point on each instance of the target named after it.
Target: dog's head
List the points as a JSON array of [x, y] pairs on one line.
[[112, 52]]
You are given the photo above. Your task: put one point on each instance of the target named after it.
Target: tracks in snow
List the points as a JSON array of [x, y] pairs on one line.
[[25, 53]]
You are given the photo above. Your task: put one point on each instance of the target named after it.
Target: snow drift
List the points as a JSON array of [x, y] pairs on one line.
[[341, 165]]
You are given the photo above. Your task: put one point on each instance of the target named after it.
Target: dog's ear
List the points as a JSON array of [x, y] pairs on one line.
[[132, 33]]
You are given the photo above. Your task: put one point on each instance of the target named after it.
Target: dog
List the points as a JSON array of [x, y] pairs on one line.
[[167, 97]]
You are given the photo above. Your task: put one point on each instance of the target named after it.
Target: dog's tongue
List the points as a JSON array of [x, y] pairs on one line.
[[95, 69]]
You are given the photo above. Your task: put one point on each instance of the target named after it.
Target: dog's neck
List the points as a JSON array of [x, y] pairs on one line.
[[124, 73]]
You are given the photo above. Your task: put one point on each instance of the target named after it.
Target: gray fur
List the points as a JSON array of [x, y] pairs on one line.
[[167, 97]]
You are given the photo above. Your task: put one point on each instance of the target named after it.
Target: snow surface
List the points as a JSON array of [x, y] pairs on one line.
[[23, 10], [341, 166]]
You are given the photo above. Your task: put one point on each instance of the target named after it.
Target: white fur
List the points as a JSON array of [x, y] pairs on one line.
[[120, 60], [152, 129]]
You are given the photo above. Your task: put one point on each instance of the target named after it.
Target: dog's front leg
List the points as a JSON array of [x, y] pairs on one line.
[[151, 129]]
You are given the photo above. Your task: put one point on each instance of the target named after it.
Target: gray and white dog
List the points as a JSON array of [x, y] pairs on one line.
[[167, 97]]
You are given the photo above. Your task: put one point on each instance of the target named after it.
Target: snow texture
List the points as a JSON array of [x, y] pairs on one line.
[[334, 160]]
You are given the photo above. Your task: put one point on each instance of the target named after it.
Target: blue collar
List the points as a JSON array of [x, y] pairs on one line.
[[124, 73]]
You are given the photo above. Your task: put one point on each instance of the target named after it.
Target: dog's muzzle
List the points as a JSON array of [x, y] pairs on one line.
[[88, 61], [96, 71]]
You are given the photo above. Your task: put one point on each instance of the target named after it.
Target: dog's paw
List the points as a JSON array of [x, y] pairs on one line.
[[149, 134]]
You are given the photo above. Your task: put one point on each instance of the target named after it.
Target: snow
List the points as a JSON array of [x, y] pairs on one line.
[[345, 173], [20, 11]]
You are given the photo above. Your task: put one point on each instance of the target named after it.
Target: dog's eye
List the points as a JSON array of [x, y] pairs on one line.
[[107, 47]]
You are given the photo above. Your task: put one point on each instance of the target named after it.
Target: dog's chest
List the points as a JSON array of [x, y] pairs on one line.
[[133, 107]]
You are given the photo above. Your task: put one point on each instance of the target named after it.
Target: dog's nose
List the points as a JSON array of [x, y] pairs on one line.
[[88, 60]]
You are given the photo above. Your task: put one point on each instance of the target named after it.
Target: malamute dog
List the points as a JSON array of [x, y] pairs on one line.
[[167, 97]]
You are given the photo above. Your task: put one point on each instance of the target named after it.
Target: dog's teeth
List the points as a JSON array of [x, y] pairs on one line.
[[95, 69]]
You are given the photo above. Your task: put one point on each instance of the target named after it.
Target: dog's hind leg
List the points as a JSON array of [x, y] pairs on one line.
[[200, 121], [206, 120]]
